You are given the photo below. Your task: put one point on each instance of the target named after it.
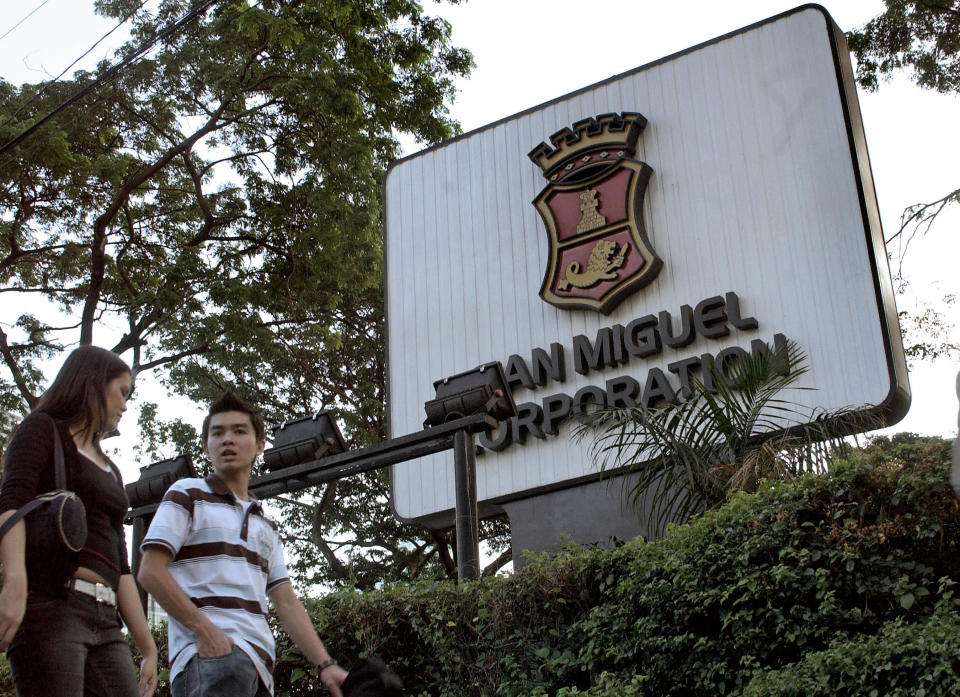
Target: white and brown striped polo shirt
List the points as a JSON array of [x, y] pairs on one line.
[[226, 557]]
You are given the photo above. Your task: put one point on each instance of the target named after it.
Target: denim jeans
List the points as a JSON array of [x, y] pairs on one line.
[[230, 675], [71, 647]]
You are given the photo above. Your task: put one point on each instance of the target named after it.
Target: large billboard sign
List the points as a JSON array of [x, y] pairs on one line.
[[610, 245]]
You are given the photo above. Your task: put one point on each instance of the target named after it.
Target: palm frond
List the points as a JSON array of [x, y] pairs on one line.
[[731, 432]]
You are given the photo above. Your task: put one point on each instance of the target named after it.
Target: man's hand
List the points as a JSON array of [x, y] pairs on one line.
[[154, 577], [331, 677], [212, 642]]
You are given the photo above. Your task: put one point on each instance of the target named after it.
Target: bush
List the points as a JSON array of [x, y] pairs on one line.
[[760, 585], [6, 679], [753, 587], [904, 660], [773, 576], [490, 637]]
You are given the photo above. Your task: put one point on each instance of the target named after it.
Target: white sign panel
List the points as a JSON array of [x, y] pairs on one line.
[[609, 244]]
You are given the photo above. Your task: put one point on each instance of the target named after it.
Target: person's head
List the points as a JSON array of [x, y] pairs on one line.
[[89, 394], [371, 677], [233, 433]]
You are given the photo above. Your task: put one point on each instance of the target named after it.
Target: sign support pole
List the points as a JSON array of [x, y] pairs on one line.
[[468, 529], [140, 526]]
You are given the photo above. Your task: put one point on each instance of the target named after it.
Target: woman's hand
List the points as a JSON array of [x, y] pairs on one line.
[[13, 603], [128, 603], [13, 595], [148, 675]]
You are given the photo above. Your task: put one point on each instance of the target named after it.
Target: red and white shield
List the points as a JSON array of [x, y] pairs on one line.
[[599, 253]]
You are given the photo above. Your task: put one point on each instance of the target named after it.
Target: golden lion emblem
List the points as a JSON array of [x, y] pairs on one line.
[[602, 264]]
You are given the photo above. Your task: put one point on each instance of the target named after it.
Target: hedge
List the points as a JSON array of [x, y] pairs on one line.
[[752, 588]]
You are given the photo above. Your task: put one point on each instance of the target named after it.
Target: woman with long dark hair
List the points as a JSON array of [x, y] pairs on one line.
[[60, 617]]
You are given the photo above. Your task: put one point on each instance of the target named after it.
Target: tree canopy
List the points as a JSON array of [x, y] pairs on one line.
[[923, 38], [213, 214]]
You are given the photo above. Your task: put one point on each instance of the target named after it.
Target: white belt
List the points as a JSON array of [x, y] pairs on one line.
[[100, 592]]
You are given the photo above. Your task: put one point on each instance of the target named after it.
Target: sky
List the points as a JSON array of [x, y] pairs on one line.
[[531, 51]]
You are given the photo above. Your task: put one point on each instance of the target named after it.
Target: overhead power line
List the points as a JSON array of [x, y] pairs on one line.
[[43, 90], [194, 12], [25, 18]]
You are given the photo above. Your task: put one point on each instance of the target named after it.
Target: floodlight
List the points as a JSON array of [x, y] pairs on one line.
[[483, 390], [303, 440], [156, 478]]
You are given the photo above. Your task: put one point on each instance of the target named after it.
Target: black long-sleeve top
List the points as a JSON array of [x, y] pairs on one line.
[[29, 470]]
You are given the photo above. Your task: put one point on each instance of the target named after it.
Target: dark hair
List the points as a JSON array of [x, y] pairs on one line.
[[371, 677], [228, 401], [77, 396]]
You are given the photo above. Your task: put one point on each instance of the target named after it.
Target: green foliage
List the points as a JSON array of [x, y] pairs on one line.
[[773, 576], [920, 35], [794, 582], [495, 636], [162, 440], [905, 659], [6, 678], [163, 667], [929, 334]]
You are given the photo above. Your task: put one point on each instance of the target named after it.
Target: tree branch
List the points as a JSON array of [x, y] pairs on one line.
[[14, 368], [443, 552], [493, 567], [98, 244], [196, 351], [920, 217]]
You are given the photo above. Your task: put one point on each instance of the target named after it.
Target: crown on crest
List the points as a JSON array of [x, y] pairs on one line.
[[604, 138]]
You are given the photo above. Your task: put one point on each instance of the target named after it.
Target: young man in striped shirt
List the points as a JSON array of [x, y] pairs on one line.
[[211, 558]]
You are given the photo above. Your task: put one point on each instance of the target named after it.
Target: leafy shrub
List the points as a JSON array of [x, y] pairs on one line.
[[753, 587], [904, 660], [489, 637], [6, 678], [773, 576]]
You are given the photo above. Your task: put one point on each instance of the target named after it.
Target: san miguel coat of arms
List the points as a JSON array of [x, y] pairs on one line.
[[599, 252]]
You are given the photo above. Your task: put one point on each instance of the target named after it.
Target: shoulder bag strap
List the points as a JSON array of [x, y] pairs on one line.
[[60, 474], [60, 470], [18, 515]]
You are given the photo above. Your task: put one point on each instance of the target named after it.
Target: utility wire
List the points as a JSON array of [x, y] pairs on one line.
[[115, 70], [24, 19], [43, 90]]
